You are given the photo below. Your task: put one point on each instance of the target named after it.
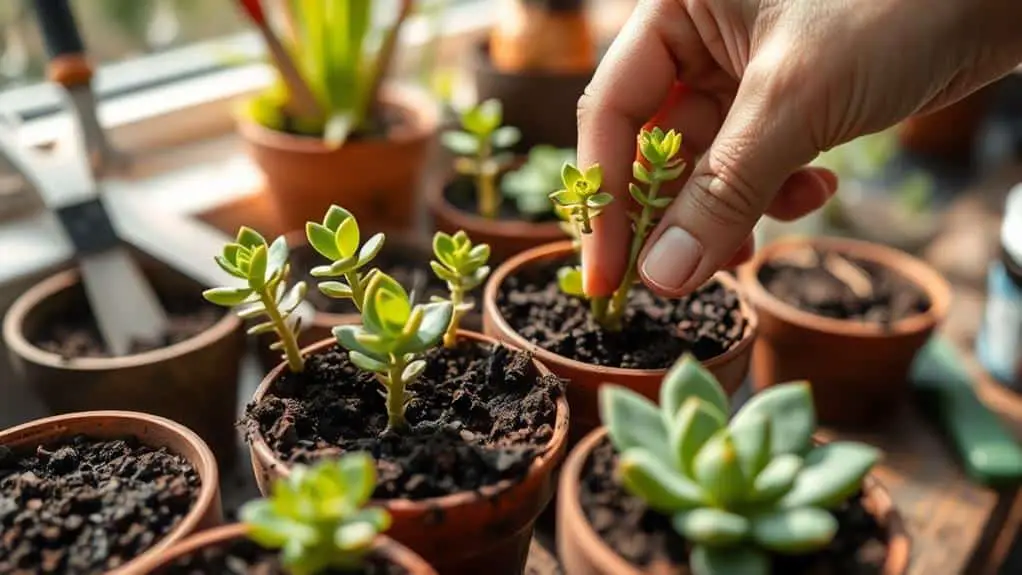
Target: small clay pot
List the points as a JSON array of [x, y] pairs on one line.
[[383, 547], [949, 133], [540, 104], [582, 552], [194, 382], [152, 431], [584, 380], [485, 531], [506, 238], [375, 178], [858, 371]]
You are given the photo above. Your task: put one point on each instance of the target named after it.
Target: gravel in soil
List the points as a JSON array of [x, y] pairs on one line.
[[244, 557], [842, 287], [655, 333], [646, 538], [88, 506], [478, 415], [461, 193]]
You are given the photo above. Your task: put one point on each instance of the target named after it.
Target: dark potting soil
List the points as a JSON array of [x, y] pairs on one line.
[[75, 335], [88, 506], [245, 557], [645, 538], [380, 125], [411, 270], [656, 330], [877, 294], [478, 416], [461, 193]]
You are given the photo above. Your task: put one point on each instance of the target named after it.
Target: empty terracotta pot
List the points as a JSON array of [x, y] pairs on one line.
[[150, 430], [484, 531], [375, 178], [384, 547], [582, 552], [584, 380], [194, 382], [859, 371]]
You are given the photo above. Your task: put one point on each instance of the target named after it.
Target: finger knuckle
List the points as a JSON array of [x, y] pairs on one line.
[[723, 194]]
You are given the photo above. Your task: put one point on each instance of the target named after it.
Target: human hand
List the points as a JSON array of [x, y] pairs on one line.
[[765, 86]]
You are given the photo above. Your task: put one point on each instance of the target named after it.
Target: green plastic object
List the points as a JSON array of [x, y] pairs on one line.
[[988, 450]]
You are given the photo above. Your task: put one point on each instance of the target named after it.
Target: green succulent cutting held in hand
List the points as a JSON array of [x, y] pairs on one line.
[[265, 269], [318, 517], [481, 143], [739, 489], [463, 266], [338, 239]]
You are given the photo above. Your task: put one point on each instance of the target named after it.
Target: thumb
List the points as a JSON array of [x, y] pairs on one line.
[[760, 144]]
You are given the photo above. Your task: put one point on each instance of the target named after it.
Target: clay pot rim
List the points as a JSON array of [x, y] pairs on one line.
[[924, 276], [899, 544], [14, 335], [207, 469], [394, 552], [482, 60], [422, 119], [557, 249], [542, 461]]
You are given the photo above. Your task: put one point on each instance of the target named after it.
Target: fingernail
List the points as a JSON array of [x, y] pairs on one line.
[[672, 259]]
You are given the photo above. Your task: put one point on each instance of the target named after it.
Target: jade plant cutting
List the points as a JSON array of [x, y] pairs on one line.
[[739, 489], [463, 266], [318, 517], [481, 144], [265, 270], [582, 199], [338, 239]]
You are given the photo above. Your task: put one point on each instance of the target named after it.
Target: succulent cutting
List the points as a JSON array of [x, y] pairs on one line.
[[463, 266], [338, 239]]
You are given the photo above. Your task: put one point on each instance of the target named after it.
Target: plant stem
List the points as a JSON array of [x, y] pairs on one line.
[[619, 301], [457, 299], [485, 185], [357, 293], [586, 225], [291, 350], [598, 306], [396, 394]]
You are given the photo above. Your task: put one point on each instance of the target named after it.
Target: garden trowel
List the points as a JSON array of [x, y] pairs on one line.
[[123, 303]]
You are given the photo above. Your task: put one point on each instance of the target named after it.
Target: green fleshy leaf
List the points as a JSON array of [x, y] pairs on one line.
[[599, 200], [257, 268], [718, 471], [358, 474], [230, 268], [335, 216], [570, 175], [742, 560], [831, 474], [655, 482], [696, 422], [570, 281], [271, 529], [265, 327], [250, 238], [633, 421], [660, 203], [710, 526], [789, 409], [337, 129], [370, 249], [435, 319], [794, 531], [640, 173], [322, 240], [386, 307], [276, 257], [443, 273], [594, 176], [461, 143], [505, 137], [347, 336], [337, 290], [347, 237], [355, 536], [776, 479], [363, 361], [565, 197], [227, 297], [752, 442], [688, 378], [413, 370], [637, 194]]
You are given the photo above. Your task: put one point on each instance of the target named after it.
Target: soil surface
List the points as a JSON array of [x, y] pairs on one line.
[[461, 193], [656, 330], [411, 270], [88, 506], [75, 335], [845, 288], [380, 125], [244, 557], [646, 538], [477, 415]]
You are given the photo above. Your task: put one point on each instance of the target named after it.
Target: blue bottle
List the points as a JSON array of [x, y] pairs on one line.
[[999, 345]]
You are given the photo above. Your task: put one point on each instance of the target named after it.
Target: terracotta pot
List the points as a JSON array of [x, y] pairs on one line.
[[859, 371], [540, 104], [582, 552], [383, 547], [152, 431], [950, 132], [505, 237], [194, 382], [485, 531], [553, 37], [375, 178], [584, 379]]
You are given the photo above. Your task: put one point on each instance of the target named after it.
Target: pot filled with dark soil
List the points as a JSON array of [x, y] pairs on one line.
[[847, 315], [523, 306], [189, 376], [473, 468], [101, 492], [228, 551]]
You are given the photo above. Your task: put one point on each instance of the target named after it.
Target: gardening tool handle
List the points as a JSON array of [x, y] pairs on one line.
[[68, 65]]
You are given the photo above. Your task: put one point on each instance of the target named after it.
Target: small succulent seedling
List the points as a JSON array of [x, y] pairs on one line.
[[529, 186], [265, 269], [317, 516], [739, 489], [581, 195], [392, 338], [463, 266], [481, 143], [338, 240]]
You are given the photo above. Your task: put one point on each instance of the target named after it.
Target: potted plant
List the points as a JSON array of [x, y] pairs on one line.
[[538, 59], [466, 432], [847, 315], [679, 487], [190, 376], [535, 300], [101, 491], [367, 142], [318, 520]]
